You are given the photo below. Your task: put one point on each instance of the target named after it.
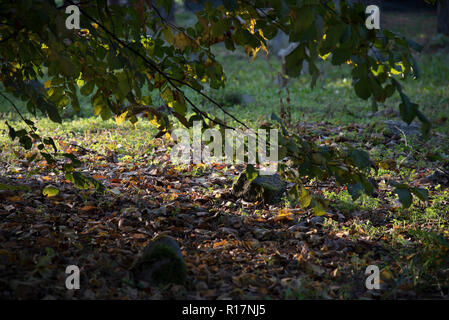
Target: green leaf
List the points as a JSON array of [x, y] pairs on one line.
[[167, 95], [73, 158], [293, 193], [50, 191], [99, 104], [66, 67], [341, 55], [105, 113], [318, 207], [421, 193], [294, 62], [362, 88], [178, 103], [219, 28], [251, 172], [123, 84], [407, 109], [303, 20], [26, 142], [355, 190], [305, 198], [52, 111], [83, 182], [360, 158], [12, 133], [333, 35], [367, 185], [405, 196], [269, 31], [48, 157]]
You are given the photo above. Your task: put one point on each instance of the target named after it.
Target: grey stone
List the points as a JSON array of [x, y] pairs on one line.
[[317, 220], [268, 189], [438, 177], [401, 128], [161, 262], [299, 227]]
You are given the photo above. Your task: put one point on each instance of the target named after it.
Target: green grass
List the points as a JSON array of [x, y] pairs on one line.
[[333, 99], [90, 132]]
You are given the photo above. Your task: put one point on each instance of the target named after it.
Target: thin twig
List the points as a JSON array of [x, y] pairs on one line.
[[17, 110]]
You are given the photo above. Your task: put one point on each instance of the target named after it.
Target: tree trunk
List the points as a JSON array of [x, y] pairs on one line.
[[443, 17]]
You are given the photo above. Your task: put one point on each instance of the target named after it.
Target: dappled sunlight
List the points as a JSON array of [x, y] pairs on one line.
[[115, 172]]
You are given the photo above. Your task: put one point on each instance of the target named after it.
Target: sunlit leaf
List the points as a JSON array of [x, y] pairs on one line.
[[50, 191]]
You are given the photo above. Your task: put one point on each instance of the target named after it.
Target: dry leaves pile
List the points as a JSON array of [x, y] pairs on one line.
[[233, 249]]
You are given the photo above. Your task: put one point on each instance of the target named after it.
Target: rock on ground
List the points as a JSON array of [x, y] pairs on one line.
[[161, 262], [400, 127], [268, 189]]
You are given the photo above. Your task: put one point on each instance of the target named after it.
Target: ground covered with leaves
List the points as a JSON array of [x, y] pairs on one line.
[[233, 249]]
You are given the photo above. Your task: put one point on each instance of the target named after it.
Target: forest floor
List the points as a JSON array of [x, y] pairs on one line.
[[235, 249]]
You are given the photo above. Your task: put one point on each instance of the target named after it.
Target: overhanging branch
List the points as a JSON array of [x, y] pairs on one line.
[[169, 79]]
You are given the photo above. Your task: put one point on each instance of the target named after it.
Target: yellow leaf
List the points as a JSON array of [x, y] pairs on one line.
[[284, 215], [120, 118], [181, 41], [386, 274], [325, 56], [168, 35], [79, 82], [50, 191]]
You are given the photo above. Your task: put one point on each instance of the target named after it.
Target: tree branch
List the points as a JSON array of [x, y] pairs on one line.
[[169, 79]]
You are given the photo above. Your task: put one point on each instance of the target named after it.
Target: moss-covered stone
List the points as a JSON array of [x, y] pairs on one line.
[[161, 262], [268, 189]]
